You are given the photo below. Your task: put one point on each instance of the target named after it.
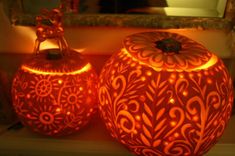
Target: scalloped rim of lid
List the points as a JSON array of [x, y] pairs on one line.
[[212, 60], [37, 68]]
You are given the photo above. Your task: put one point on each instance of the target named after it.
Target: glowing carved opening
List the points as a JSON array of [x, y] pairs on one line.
[[86, 68]]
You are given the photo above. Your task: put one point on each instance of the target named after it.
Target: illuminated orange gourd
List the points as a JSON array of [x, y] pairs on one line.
[[54, 92], [164, 94]]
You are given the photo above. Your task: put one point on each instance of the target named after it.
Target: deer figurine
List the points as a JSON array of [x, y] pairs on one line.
[[51, 30]]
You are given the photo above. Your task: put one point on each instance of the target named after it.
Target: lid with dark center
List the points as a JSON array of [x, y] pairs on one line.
[[168, 51], [53, 61]]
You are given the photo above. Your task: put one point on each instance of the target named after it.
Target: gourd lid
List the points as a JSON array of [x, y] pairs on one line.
[[52, 61], [168, 51]]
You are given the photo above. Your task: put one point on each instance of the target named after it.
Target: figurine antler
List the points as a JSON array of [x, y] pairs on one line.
[[49, 26]]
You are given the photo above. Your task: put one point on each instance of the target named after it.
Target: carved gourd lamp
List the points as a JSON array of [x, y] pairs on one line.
[[54, 92], [165, 94]]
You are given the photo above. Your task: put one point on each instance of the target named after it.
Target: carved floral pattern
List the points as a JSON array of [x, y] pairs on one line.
[[142, 46], [54, 105], [164, 113]]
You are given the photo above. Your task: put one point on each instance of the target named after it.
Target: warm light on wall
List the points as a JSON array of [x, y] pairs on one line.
[[165, 94]]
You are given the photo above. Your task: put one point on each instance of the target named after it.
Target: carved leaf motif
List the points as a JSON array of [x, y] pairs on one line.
[[204, 90], [159, 102], [160, 113], [145, 140], [146, 120], [151, 89], [149, 96], [24, 85], [153, 84], [160, 131], [156, 143], [133, 96], [146, 132], [20, 94], [140, 86], [162, 84], [160, 125], [147, 109], [132, 92], [158, 80], [194, 88], [162, 90]]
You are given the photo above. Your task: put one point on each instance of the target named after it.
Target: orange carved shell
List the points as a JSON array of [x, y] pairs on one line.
[[165, 102], [55, 96], [142, 46]]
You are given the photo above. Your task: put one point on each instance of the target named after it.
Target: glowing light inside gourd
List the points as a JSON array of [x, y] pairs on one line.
[[86, 68], [158, 102]]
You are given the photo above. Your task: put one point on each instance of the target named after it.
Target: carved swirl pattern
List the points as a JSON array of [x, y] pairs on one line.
[[54, 105], [164, 113], [142, 46]]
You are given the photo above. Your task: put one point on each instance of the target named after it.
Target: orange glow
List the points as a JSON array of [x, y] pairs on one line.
[[60, 81], [31, 36], [176, 135], [52, 97], [137, 117], [133, 64], [195, 118], [80, 88], [56, 97], [209, 81], [173, 76], [86, 68], [114, 94], [58, 110], [190, 75], [206, 72], [166, 143], [135, 131], [173, 123], [142, 98], [28, 96], [143, 78], [215, 122], [171, 80], [80, 50], [89, 91], [199, 74], [175, 108], [172, 100], [28, 116], [185, 93], [149, 73], [210, 63]]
